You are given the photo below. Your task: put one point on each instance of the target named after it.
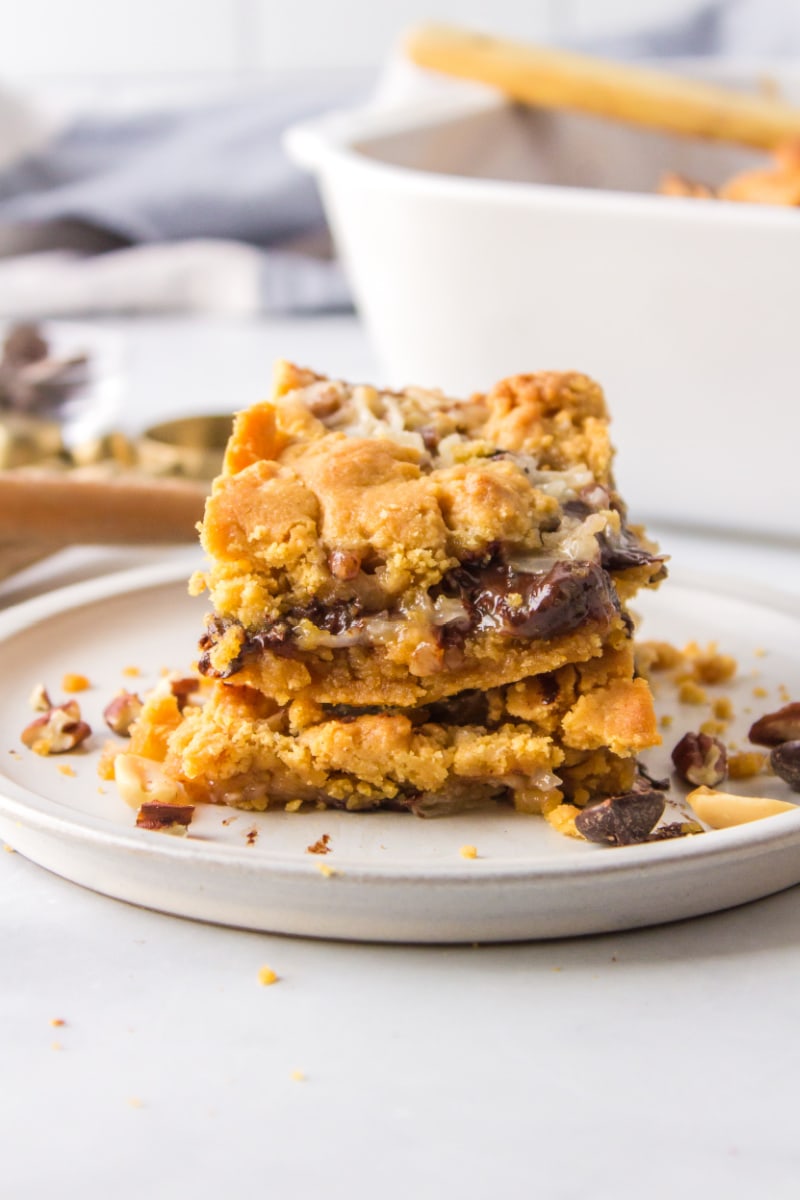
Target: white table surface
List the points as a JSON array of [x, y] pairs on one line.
[[654, 1063]]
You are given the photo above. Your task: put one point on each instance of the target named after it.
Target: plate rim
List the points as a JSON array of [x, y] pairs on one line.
[[18, 803]]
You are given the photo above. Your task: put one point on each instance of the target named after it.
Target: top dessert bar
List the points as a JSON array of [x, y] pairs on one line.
[[398, 548]]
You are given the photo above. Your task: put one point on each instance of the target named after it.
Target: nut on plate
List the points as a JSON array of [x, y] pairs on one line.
[[142, 781], [58, 731], [785, 762], [700, 759], [776, 727], [165, 818], [121, 712], [722, 809]]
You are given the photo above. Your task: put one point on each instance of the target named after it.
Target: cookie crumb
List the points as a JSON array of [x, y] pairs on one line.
[[722, 708], [325, 870], [56, 1046], [298, 1076], [293, 805], [321, 846], [135, 1102], [8, 849], [131, 672], [74, 683], [562, 818], [709, 666], [57, 1022], [266, 976], [713, 728], [666, 721], [468, 852], [251, 837], [760, 693], [66, 769], [690, 692], [658, 656], [746, 765]]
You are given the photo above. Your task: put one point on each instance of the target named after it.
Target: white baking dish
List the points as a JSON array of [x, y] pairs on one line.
[[483, 240]]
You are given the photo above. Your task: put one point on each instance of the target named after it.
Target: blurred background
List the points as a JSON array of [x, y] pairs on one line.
[[162, 247], [93, 38], [159, 124]]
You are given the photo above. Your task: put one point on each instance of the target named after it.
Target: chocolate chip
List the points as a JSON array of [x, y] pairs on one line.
[[621, 820], [785, 762], [776, 727], [528, 604]]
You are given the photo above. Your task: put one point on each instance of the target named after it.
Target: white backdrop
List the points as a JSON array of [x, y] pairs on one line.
[[76, 38]]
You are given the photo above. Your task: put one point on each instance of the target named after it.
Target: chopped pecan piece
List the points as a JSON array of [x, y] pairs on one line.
[[777, 727], [344, 564], [172, 818], [58, 731], [121, 712], [700, 759]]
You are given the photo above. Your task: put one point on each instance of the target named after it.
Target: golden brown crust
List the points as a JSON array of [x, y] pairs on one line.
[[419, 603], [241, 748]]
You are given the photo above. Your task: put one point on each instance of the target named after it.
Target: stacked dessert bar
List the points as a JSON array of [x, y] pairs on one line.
[[418, 603]]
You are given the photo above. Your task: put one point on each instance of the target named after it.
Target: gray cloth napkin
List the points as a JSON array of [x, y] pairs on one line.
[[196, 206], [182, 183]]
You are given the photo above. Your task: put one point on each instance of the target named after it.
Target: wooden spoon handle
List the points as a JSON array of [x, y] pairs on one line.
[[551, 78], [57, 509]]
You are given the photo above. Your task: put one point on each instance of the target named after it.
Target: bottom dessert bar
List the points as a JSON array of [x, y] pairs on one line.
[[571, 734]]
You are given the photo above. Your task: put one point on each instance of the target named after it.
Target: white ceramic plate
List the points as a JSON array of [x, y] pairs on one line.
[[396, 878]]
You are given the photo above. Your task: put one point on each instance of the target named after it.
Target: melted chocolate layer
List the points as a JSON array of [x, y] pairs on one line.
[[524, 604], [496, 597]]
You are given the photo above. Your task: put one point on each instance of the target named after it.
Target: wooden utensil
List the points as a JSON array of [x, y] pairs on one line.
[[59, 510], [550, 78]]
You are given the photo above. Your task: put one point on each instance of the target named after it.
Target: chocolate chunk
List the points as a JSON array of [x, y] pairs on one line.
[[621, 820], [785, 762], [527, 605], [620, 551], [777, 727]]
